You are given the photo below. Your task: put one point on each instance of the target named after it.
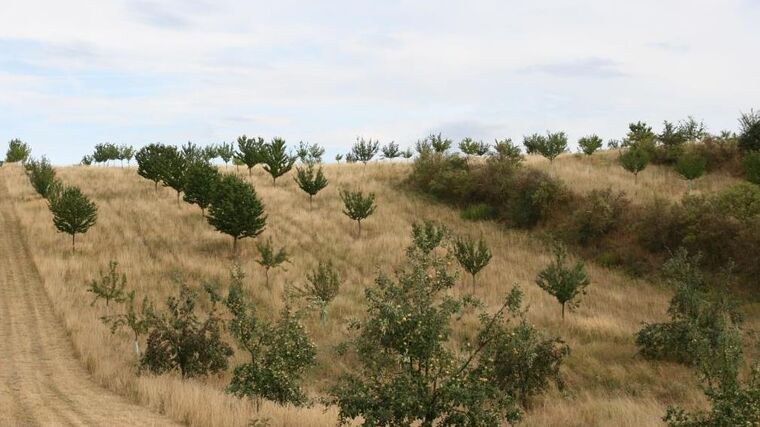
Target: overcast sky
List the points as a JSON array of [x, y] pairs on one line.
[[75, 73]]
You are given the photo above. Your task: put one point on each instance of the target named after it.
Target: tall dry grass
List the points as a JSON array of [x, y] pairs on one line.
[[152, 238]]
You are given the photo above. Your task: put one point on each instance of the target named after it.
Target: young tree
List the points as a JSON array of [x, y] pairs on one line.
[[235, 210], [505, 150], [138, 322], [438, 143], [357, 206], [350, 158], [671, 136], [555, 144], [249, 151], [179, 340], [18, 151], [566, 284], [277, 161], [193, 153], [110, 287], [174, 166], [407, 154], [309, 154], [533, 143], [338, 158], [209, 153], [126, 152], [640, 134], [409, 371], [749, 137], [363, 150], [635, 159], [471, 256], [691, 165], [471, 147], [281, 351], [73, 213], [427, 236], [86, 160], [391, 151], [322, 287], [589, 144], [751, 163], [226, 152], [200, 185], [311, 180], [271, 258], [42, 176], [150, 162]]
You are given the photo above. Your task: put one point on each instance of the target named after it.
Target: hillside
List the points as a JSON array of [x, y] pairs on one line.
[[152, 237]]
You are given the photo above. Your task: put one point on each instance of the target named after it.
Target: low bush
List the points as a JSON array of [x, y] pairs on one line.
[[751, 165], [598, 214], [477, 212]]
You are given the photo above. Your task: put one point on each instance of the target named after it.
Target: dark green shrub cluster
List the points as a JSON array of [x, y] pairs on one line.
[[752, 167], [18, 151], [599, 213], [477, 212]]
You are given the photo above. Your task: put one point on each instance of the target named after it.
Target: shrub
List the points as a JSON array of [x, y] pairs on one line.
[[471, 256], [280, 352], [566, 284], [277, 162], [589, 144], [599, 213], [73, 213], [441, 175], [357, 206], [364, 150], [749, 138], [477, 212], [236, 210], [138, 321], [752, 166], [18, 151], [691, 166], [533, 196], [310, 182], [249, 152], [42, 176], [634, 160], [179, 340]]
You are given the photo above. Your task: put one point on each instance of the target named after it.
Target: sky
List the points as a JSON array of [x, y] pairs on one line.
[[76, 73]]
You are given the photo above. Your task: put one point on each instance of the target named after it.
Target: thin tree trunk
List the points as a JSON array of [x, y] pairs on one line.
[[310, 200], [360, 227], [177, 198], [563, 312], [73, 242], [234, 245], [266, 276]]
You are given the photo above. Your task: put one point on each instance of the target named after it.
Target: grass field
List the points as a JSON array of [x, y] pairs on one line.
[[153, 238]]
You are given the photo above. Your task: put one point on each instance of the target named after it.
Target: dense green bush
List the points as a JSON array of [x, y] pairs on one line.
[[749, 137], [236, 210], [598, 213], [691, 165], [42, 176], [73, 212], [589, 144], [533, 198], [477, 212], [18, 151], [752, 166]]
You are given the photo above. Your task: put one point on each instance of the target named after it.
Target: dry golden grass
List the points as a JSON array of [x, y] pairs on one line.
[[152, 237], [602, 170]]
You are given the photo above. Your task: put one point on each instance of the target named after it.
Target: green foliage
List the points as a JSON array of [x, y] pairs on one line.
[[309, 154], [566, 284], [137, 321], [407, 154], [269, 257], [225, 151], [73, 213], [691, 165], [438, 143], [179, 340], [505, 150], [749, 137], [249, 151], [472, 256], [311, 180], [391, 151], [18, 151], [338, 158], [110, 287], [281, 352], [427, 236], [363, 150], [752, 166], [640, 135], [477, 212], [704, 320], [533, 142], [106, 152], [532, 197], [236, 210], [634, 160], [42, 176], [277, 161], [599, 214], [322, 287], [126, 152], [549, 146], [589, 144], [409, 371], [86, 160], [357, 206], [150, 162], [474, 148], [200, 184], [174, 166]]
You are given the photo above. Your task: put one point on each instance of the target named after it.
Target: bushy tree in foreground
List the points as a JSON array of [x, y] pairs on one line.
[[364, 150], [180, 340], [236, 210], [566, 284], [473, 148], [590, 143], [269, 257], [634, 160], [249, 152], [357, 206], [277, 161], [18, 151], [409, 372], [472, 256], [311, 180], [110, 288], [200, 184], [752, 167], [73, 213], [281, 351]]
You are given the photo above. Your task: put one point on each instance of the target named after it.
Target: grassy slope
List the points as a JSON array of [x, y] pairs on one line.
[[152, 237]]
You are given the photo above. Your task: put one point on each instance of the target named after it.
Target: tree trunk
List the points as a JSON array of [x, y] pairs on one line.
[[177, 198], [563, 311], [311, 197], [156, 185], [360, 227], [234, 245], [266, 277], [73, 242]]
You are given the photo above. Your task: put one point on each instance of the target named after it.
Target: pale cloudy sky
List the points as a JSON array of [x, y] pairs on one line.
[[75, 73]]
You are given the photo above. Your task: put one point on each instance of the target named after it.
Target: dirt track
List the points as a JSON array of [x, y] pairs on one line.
[[41, 381]]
